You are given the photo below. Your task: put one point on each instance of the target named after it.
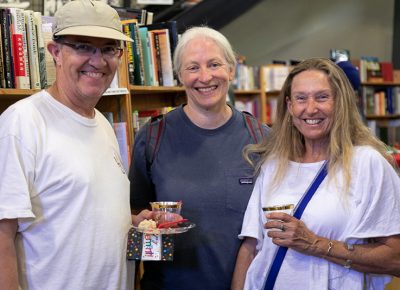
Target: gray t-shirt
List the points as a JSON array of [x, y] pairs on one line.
[[206, 171]]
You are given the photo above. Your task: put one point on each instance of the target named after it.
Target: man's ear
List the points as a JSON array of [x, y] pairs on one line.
[[54, 49]]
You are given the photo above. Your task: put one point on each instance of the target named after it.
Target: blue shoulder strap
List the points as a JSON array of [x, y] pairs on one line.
[[280, 255]]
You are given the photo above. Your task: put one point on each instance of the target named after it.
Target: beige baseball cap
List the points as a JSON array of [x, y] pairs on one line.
[[88, 18]]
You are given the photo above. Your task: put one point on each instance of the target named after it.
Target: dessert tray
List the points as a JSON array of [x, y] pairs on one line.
[[179, 229]]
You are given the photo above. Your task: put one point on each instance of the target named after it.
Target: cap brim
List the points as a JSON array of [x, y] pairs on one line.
[[94, 31]]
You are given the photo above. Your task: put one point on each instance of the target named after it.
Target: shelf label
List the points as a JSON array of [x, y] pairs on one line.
[[116, 91]]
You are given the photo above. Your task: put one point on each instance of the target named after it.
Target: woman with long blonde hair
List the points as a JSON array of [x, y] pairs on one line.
[[348, 233]]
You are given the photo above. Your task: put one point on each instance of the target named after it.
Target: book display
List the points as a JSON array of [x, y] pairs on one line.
[[381, 108], [146, 82], [144, 86]]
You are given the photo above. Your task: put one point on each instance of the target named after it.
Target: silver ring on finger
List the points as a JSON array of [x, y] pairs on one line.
[[282, 227]]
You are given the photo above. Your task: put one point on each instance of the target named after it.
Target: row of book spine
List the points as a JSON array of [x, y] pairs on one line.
[[26, 64], [381, 101], [250, 105], [150, 53], [388, 132], [22, 49], [373, 70], [247, 77], [274, 75]]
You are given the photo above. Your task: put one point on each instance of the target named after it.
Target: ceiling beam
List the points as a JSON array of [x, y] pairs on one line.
[[213, 13]]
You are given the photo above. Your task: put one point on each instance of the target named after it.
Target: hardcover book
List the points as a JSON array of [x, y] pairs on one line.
[[47, 33], [137, 54], [2, 71], [164, 51], [19, 49], [37, 19], [131, 62], [7, 48], [172, 32], [33, 52], [144, 41]]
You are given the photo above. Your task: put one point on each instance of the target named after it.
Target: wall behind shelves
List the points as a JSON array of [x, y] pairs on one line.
[[286, 29]]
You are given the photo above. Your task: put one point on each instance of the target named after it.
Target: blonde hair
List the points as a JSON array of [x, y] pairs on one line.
[[348, 130]]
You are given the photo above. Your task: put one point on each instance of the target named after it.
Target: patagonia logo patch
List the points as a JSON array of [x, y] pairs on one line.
[[246, 180]]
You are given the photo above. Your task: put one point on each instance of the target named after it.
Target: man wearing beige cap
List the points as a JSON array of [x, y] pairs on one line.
[[64, 195]]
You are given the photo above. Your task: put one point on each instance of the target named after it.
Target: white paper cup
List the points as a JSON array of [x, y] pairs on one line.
[[286, 208]]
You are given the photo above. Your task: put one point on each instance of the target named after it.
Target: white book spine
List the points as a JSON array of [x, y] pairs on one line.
[[33, 52], [37, 20]]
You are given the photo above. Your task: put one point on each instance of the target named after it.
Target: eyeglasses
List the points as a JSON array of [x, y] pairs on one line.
[[84, 49]]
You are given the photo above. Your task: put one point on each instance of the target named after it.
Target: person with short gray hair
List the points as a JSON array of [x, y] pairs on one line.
[[199, 161]]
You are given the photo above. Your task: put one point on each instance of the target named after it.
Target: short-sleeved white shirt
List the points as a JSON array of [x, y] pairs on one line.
[[369, 209], [60, 176]]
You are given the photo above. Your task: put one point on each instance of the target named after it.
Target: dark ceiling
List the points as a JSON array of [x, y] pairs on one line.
[[214, 13]]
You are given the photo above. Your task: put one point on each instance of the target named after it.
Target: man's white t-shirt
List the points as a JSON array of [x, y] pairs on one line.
[[61, 176]]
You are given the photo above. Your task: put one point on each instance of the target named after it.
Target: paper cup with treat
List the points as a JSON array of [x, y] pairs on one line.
[[286, 208], [166, 211]]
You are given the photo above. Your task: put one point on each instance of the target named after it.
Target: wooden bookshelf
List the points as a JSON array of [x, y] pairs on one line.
[[10, 96], [16, 93], [383, 117], [259, 94], [145, 97], [239, 93], [381, 109], [369, 102], [381, 84]]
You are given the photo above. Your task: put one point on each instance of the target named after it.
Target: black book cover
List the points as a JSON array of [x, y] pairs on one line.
[[7, 48]]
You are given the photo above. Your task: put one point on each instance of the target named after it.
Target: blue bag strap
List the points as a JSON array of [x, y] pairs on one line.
[[301, 206]]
